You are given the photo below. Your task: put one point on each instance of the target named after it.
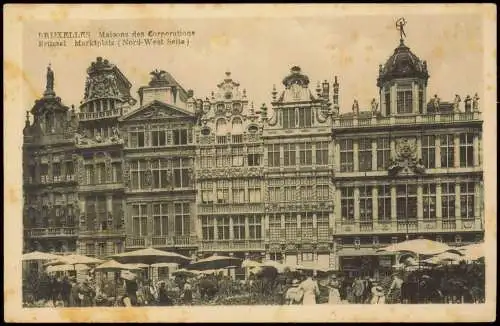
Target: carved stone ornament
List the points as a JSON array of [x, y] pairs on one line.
[[405, 161], [101, 86]]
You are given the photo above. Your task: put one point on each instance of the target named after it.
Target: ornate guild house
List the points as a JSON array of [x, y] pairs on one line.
[[299, 181]]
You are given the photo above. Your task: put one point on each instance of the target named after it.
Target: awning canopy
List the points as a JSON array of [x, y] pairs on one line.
[[362, 252]]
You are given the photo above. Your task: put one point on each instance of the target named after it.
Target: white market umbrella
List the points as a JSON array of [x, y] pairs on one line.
[[150, 256], [37, 255], [169, 265], [247, 263], [186, 273], [278, 266], [443, 258], [471, 252], [418, 246], [65, 268], [114, 266], [75, 259]]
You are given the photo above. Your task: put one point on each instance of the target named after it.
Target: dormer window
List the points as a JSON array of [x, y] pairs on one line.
[[404, 101], [220, 107]]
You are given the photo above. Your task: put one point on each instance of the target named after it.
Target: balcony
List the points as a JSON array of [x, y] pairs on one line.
[[52, 232], [135, 242], [102, 233], [411, 226], [232, 245], [86, 116], [228, 208], [395, 120], [177, 241], [101, 187]]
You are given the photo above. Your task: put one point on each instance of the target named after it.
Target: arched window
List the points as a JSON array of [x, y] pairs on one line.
[[221, 127], [237, 127]]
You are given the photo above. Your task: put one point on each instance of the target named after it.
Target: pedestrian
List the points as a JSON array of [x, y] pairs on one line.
[[74, 297], [87, 294], [311, 290], [358, 288], [65, 290], [187, 293], [394, 293], [294, 294], [334, 293], [163, 298], [378, 296]]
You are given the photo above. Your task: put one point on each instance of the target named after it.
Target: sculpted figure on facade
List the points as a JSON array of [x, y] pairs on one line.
[[456, 103], [355, 107], [435, 103], [468, 103], [374, 106], [475, 103]]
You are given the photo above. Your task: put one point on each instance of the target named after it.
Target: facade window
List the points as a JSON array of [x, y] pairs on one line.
[[238, 191], [466, 150], [237, 139], [254, 227], [307, 256], [387, 104], [160, 174], [222, 191], [70, 169], [447, 151], [116, 169], [323, 191], [136, 137], [365, 155], [429, 151], [406, 202], [323, 226], [220, 128], [288, 118], [306, 225], [101, 173], [467, 200], [207, 192], [307, 192], [160, 219], [429, 201], [90, 249], [346, 155], [322, 153], [365, 204], [383, 153], [253, 156], [182, 219], [207, 228], [221, 139], [275, 194], [138, 174], [404, 101], [237, 128], [347, 204], [305, 154], [289, 155], [254, 191], [56, 171], [273, 153], [290, 226], [421, 100], [220, 157], [158, 137], [44, 173], [305, 117], [275, 227], [237, 156], [182, 176], [180, 136], [89, 174], [448, 201], [289, 190], [139, 220], [239, 227], [223, 227], [206, 158]]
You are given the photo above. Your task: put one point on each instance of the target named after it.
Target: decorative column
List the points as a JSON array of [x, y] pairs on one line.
[[356, 205], [456, 149], [216, 235], [438, 151], [393, 148], [374, 155], [393, 203], [231, 230], [265, 227], [394, 109], [420, 203], [355, 151], [337, 157], [419, 147], [337, 216], [439, 206], [414, 91], [475, 150], [457, 200]]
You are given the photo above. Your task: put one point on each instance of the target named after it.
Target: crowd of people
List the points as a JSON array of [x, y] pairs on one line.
[[458, 284]]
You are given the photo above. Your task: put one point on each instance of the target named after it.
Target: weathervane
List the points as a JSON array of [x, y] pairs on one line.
[[400, 24]]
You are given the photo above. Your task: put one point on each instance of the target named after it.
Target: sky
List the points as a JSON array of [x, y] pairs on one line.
[[259, 53]]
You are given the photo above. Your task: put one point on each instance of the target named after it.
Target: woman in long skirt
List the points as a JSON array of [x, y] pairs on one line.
[[333, 293]]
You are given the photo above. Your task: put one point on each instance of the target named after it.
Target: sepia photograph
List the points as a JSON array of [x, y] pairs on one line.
[[318, 160]]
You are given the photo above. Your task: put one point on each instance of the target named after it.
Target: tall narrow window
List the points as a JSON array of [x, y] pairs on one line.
[[223, 227], [89, 172], [238, 191], [387, 104], [160, 174], [136, 137], [182, 176], [253, 156], [220, 157], [290, 226], [290, 189], [365, 204], [347, 204], [239, 227], [44, 173], [101, 173], [222, 191], [160, 219], [305, 117], [384, 203], [138, 174], [305, 154], [447, 151], [404, 101], [346, 155], [273, 153], [158, 137], [421, 100], [275, 227], [116, 168], [288, 118], [180, 136], [322, 153], [306, 225], [322, 190], [289, 155], [429, 151], [406, 202], [365, 155], [383, 153], [467, 200], [207, 192], [254, 227], [466, 150], [448, 201], [207, 227], [206, 158], [429, 201], [182, 219], [254, 191], [139, 220], [323, 226], [237, 156], [56, 171]]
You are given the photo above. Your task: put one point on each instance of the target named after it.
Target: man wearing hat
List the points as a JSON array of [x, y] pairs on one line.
[[294, 295]]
